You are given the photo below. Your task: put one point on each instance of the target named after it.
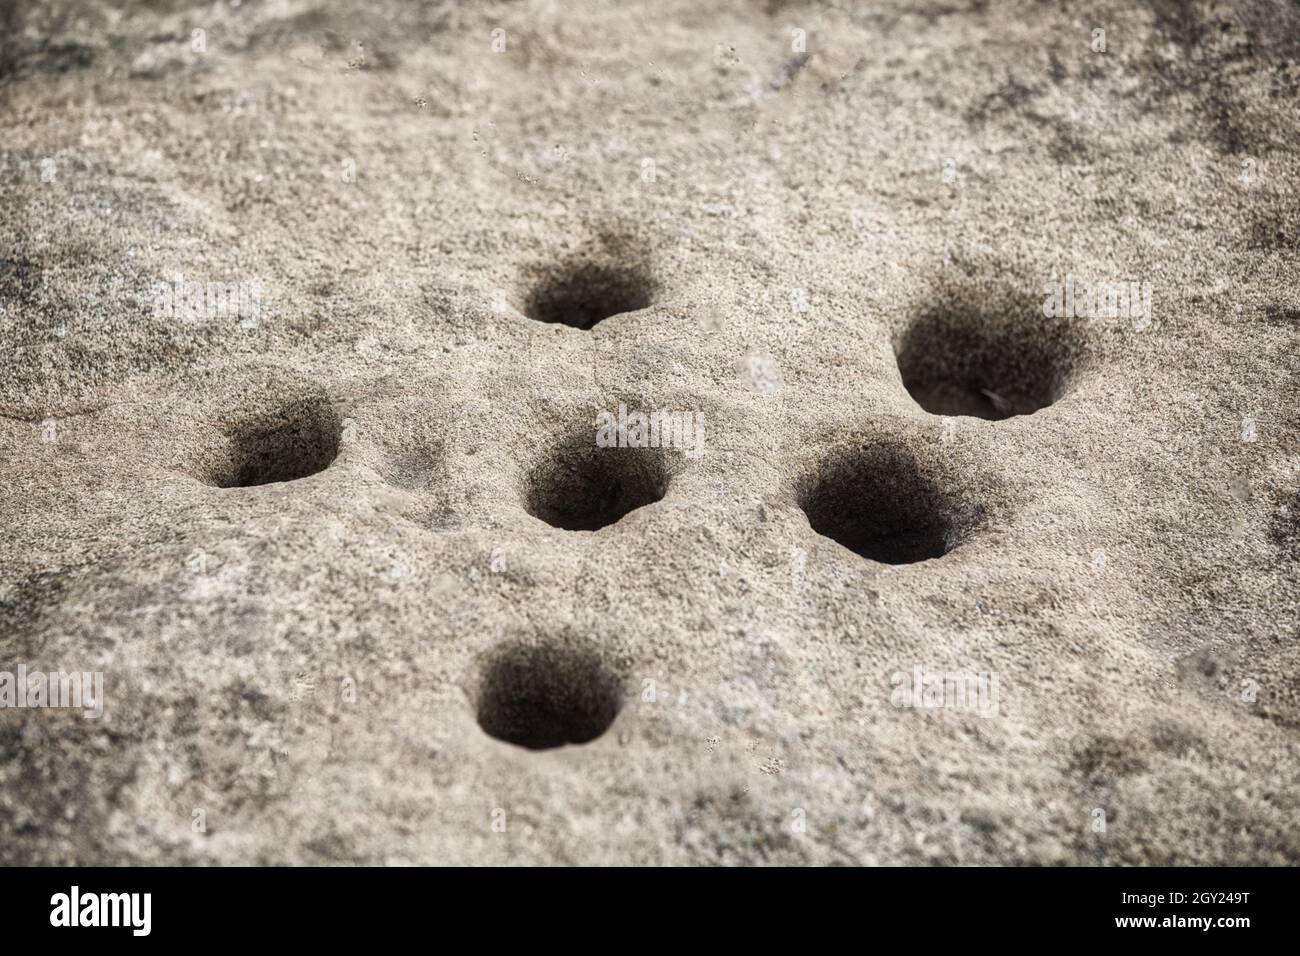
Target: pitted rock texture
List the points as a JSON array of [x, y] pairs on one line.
[[309, 311]]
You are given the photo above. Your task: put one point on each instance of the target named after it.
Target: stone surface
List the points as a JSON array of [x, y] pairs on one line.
[[395, 217]]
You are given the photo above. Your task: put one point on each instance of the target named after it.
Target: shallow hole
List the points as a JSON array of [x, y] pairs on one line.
[[583, 487], [540, 697], [580, 294], [879, 504], [295, 441], [993, 361], [413, 469]]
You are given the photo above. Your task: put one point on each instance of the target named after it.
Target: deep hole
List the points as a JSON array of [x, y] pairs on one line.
[[582, 487], [879, 504], [295, 441], [547, 696], [990, 361], [581, 294]]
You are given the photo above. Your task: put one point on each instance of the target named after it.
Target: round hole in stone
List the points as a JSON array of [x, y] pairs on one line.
[[991, 361], [544, 696], [412, 469], [582, 293], [880, 504], [294, 440], [583, 487]]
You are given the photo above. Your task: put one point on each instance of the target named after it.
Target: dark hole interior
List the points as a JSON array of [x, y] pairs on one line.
[[295, 441], [881, 507], [583, 487], [992, 363], [541, 697], [580, 294]]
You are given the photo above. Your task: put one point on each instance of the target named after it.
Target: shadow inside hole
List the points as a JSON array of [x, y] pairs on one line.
[[881, 506], [295, 441], [1284, 526], [580, 294], [547, 696], [583, 487], [990, 361]]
